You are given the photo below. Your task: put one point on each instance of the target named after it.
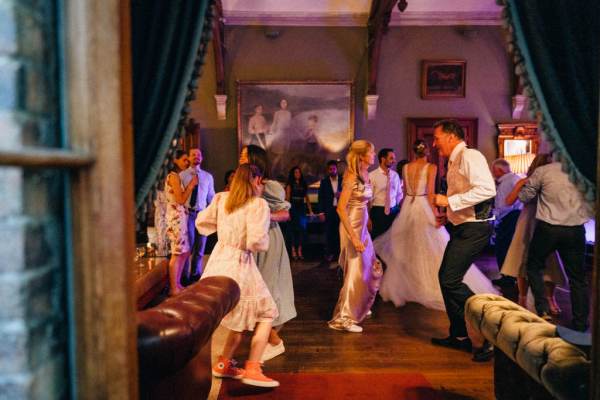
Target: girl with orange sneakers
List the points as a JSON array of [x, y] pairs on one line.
[[241, 219]]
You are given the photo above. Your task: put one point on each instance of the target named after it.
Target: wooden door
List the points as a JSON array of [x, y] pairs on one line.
[[422, 128]]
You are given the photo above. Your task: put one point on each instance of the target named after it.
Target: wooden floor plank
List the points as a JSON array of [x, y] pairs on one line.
[[394, 340]]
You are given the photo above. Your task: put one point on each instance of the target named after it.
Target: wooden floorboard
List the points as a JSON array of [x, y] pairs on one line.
[[394, 340]]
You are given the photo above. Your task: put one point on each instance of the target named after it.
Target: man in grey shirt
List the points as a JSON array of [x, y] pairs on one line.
[[561, 213]]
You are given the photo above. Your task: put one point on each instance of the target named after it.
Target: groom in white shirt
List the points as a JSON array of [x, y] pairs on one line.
[[387, 193], [468, 204]]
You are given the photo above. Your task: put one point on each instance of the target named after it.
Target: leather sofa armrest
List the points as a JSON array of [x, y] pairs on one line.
[[172, 333], [531, 343]]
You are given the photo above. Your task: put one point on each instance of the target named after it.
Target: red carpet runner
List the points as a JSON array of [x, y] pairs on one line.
[[307, 386]]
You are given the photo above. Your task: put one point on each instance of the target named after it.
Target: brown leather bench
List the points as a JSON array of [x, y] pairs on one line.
[[174, 340]]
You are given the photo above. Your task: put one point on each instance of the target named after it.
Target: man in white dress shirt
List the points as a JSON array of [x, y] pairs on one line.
[[560, 215], [468, 204], [506, 215], [198, 201], [387, 193]]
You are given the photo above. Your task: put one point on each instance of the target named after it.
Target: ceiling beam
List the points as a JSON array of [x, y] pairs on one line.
[[377, 26], [219, 46]]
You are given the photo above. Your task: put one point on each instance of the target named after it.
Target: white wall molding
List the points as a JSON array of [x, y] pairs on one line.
[[221, 105], [416, 18]]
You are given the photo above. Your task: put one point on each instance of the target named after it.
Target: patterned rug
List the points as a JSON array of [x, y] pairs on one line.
[[307, 386]]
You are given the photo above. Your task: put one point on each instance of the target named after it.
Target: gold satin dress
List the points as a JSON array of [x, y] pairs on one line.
[[362, 271]]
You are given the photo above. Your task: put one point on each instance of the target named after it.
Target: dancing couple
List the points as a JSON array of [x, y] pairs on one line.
[[425, 264]]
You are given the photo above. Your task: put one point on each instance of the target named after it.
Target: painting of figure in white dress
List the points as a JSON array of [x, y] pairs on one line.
[[298, 123]]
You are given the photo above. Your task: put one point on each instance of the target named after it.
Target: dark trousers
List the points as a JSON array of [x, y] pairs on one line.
[[381, 222], [193, 267], [570, 243], [505, 230], [467, 241], [297, 226], [332, 233]]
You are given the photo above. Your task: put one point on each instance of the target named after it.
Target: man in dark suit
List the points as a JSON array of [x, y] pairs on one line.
[[329, 193]]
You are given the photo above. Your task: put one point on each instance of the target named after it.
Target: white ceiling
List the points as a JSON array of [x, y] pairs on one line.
[[356, 12]]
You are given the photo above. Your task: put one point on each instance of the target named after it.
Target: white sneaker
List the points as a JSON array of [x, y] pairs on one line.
[[354, 328], [272, 351], [350, 328], [369, 314]]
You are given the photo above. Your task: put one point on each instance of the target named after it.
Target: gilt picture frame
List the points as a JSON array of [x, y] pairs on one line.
[[298, 123]]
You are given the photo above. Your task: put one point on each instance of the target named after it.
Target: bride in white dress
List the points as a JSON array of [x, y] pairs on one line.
[[414, 245]]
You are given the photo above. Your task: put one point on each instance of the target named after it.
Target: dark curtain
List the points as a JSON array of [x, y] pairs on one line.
[[166, 35], [557, 46]]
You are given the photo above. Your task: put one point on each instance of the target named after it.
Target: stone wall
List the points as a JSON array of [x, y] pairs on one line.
[[33, 312]]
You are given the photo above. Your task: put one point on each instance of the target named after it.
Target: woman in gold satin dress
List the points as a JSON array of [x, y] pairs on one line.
[[362, 270]]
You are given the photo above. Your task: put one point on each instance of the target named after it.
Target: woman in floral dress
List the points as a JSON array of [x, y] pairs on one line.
[[177, 218]]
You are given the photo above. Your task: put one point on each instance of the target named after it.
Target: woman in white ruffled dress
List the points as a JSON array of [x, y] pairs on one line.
[[241, 219], [414, 245]]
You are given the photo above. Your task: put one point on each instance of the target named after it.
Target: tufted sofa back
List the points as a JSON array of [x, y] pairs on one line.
[[532, 343], [174, 339]]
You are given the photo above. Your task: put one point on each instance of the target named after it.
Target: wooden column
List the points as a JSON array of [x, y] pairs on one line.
[[378, 23], [99, 110], [218, 40], [219, 54]]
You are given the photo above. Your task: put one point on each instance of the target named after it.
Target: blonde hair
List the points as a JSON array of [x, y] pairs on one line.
[[358, 148], [241, 190]]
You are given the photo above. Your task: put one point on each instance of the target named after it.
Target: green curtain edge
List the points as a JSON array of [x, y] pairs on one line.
[[173, 126], [537, 104]]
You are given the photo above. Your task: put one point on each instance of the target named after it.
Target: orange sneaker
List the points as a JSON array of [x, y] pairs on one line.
[[225, 368], [254, 376]]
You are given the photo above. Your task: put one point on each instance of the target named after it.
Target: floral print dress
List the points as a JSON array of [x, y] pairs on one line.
[[177, 218]]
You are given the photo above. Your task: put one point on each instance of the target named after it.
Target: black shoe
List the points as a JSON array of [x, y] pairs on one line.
[[453, 343], [505, 281], [483, 353]]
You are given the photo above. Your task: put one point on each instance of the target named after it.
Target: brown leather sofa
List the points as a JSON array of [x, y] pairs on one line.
[[174, 340]]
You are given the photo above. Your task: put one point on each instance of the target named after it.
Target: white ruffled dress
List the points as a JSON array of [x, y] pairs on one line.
[[244, 231]]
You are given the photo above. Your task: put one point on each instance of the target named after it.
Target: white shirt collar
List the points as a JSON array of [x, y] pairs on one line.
[[457, 149]]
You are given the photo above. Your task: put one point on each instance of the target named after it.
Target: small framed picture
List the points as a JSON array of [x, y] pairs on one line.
[[443, 79]]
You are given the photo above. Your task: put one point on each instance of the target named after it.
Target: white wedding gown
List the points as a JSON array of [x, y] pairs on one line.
[[413, 248]]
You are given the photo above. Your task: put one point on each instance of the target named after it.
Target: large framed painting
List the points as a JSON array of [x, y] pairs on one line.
[[301, 124], [422, 128], [443, 79]]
